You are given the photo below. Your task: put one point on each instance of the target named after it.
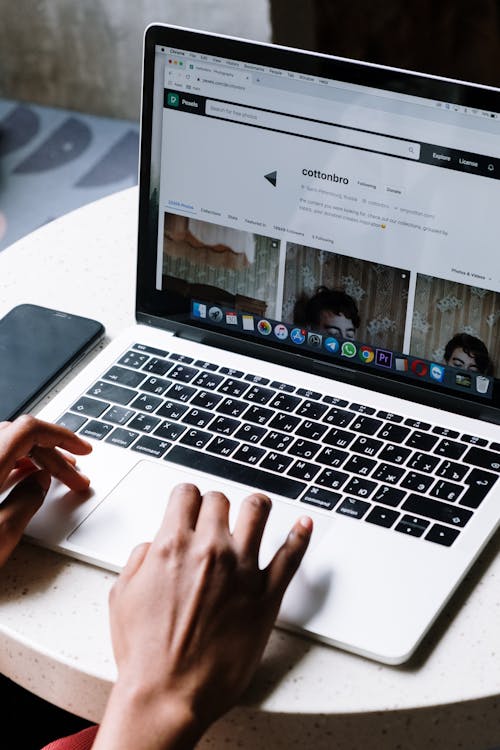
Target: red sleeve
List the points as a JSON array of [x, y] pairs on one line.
[[80, 741]]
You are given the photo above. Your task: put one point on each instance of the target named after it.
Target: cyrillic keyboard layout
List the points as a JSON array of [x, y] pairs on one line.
[[420, 479]]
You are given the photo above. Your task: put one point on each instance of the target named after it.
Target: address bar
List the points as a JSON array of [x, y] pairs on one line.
[[333, 133]]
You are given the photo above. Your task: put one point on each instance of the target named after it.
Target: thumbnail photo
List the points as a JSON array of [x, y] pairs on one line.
[[345, 297], [456, 324], [219, 264]]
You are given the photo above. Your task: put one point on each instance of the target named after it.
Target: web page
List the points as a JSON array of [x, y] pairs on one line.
[[373, 238]]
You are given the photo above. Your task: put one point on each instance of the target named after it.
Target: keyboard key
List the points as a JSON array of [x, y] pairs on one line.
[[422, 441], [442, 535], [150, 350], [222, 446], [225, 425], [258, 414], [438, 511], [122, 438], [474, 440], [206, 400], [304, 448], [180, 392], [395, 433], [237, 472], [311, 430], [452, 470], [91, 407], [208, 380], [412, 526], [416, 481], [479, 483], [303, 470], [197, 417], [366, 446], [338, 417], [158, 366], [335, 401], [450, 449], [169, 430], [196, 439], [360, 465], [387, 473], [445, 432], [362, 408], [353, 508], [144, 423], [282, 386], [111, 392], [118, 415], [366, 425], [359, 487], [423, 462], [133, 359], [181, 358], [285, 402], [155, 385], [311, 409], [205, 365], [308, 394], [389, 416], [277, 441], [232, 407], [232, 373], [483, 458], [250, 454], [146, 402], [96, 430], [394, 453], [332, 457], [282, 421], [151, 446], [448, 491], [172, 411], [382, 517], [495, 447], [276, 462], [71, 421], [234, 388], [257, 379], [332, 479], [389, 495], [339, 438], [123, 376], [417, 424], [252, 433], [183, 374], [259, 395], [320, 498]]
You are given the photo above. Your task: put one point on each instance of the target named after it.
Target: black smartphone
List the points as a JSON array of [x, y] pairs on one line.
[[38, 346]]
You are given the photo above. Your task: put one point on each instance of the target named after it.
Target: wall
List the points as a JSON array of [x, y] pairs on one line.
[[86, 54]]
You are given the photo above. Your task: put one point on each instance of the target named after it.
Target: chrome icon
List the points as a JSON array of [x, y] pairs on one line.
[[366, 354]]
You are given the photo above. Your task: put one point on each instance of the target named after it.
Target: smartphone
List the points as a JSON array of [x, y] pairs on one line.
[[38, 346]]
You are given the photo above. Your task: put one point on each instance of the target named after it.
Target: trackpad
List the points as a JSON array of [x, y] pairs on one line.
[[134, 509]]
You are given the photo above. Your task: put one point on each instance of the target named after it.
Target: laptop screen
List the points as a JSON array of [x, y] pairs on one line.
[[323, 212]]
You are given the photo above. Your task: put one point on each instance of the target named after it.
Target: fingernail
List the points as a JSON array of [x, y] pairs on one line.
[[306, 523]]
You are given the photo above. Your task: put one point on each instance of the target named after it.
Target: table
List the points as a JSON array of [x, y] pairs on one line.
[[54, 637]]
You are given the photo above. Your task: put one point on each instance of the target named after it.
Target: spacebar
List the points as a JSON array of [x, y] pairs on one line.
[[262, 480]]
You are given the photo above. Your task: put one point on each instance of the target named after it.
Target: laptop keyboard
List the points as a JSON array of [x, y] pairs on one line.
[[419, 479]]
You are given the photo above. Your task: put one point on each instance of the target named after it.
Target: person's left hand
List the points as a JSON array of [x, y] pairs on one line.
[[29, 456]]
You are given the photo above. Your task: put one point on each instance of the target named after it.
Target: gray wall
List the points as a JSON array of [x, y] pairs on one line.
[[86, 54]]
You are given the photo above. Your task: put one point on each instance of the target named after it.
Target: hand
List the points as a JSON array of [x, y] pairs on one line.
[[29, 457], [191, 614]]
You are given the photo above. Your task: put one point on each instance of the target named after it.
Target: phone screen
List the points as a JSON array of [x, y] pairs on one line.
[[37, 347]]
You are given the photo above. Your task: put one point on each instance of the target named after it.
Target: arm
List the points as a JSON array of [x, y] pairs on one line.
[[191, 614]]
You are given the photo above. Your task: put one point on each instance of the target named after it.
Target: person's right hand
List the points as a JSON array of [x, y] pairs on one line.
[[191, 614]]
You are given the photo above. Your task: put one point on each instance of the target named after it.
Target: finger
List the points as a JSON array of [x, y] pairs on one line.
[[18, 508], [287, 559], [27, 432], [135, 561], [250, 524], [214, 513], [182, 510], [24, 467], [60, 468]]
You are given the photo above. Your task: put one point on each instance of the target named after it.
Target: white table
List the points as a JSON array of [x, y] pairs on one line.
[[54, 636]]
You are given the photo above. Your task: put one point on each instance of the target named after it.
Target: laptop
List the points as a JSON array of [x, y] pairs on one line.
[[318, 318]]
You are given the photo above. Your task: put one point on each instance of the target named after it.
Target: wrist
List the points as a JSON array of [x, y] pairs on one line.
[[139, 718]]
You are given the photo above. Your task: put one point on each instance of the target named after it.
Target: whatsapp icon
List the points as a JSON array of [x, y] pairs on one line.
[[348, 349]]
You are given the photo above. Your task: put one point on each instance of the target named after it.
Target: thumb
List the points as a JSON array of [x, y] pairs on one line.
[[19, 507]]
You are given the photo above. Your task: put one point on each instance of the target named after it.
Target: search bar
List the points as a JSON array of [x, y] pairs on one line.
[[319, 130]]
